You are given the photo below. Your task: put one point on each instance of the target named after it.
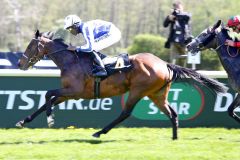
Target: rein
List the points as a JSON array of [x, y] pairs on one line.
[[60, 50], [218, 47], [57, 51], [229, 53]]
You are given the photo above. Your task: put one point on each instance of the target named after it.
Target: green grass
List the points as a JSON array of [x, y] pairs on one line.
[[120, 144]]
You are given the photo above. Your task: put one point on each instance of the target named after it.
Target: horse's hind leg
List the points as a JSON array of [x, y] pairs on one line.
[[174, 119], [126, 112], [231, 108], [161, 102]]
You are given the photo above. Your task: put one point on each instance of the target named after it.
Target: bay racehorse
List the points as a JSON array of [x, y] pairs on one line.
[[149, 76], [214, 38]]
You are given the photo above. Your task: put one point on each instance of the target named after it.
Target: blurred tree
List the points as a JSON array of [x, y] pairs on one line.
[[209, 61], [147, 43], [133, 17]]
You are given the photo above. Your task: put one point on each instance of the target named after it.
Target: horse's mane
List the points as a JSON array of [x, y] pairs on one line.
[[50, 35], [225, 33], [222, 36], [60, 41]]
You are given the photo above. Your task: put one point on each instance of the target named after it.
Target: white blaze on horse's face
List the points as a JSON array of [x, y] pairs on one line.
[[29, 56]]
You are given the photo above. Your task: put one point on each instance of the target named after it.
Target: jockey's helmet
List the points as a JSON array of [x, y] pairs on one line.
[[70, 20], [233, 21]]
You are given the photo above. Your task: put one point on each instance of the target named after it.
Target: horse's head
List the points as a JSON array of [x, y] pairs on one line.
[[205, 40], [31, 54], [36, 50]]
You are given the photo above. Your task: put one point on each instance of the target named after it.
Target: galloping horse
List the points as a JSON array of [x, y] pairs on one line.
[[214, 38], [149, 76]]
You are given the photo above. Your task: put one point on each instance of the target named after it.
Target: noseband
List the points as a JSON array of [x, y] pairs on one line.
[[207, 40]]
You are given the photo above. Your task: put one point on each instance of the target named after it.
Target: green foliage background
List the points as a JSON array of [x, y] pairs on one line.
[[20, 18], [151, 44], [155, 44]]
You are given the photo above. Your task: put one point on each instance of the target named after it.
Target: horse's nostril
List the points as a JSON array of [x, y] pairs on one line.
[[188, 47]]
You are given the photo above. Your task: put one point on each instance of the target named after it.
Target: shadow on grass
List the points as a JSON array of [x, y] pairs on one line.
[[90, 141], [216, 138]]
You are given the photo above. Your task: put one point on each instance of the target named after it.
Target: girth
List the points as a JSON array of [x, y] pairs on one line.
[[97, 82]]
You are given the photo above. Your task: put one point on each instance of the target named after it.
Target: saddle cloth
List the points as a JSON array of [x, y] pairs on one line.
[[116, 64]]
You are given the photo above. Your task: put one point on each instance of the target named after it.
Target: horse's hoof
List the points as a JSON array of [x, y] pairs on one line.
[[20, 124], [96, 135], [50, 120], [174, 138]]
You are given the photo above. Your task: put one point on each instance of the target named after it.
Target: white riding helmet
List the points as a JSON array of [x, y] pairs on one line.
[[70, 20]]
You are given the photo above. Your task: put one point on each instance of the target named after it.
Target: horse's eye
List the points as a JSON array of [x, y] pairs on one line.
[[201, 45]]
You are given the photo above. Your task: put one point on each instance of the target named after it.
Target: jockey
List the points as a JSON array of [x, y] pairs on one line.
[[234, 24], [98, 35]]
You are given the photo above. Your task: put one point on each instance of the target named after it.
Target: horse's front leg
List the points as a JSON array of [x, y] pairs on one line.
[[233, 106], [29, 118], [48, 104]]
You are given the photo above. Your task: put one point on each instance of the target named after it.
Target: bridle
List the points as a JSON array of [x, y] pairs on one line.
[[34, 58], [210, 38]]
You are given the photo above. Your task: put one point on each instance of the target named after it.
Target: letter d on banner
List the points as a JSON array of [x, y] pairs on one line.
[[219, 106]]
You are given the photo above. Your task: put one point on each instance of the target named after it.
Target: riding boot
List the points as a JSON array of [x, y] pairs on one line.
[[101, 72]]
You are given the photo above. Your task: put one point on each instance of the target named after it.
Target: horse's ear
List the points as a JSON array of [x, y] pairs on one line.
[[216, 25], [37, 34]]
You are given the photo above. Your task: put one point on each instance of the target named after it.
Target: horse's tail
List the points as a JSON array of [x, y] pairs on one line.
[[180, 73]]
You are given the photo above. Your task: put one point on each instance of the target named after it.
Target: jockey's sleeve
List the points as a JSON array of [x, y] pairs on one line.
[[237, 44], [87, 32]]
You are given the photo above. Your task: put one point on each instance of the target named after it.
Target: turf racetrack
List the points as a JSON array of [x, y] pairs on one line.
[[120, 144]]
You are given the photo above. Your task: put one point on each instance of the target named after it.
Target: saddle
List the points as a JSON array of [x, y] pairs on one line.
[[115, 64]]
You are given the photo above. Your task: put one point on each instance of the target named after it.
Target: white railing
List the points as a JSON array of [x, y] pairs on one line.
[[56, 73], [30, 73]]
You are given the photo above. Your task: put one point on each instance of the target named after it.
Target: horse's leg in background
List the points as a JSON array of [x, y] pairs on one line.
[[54, 95], [233, 106], [160, 100], [50, 116], [133, 98], [59, 96]]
